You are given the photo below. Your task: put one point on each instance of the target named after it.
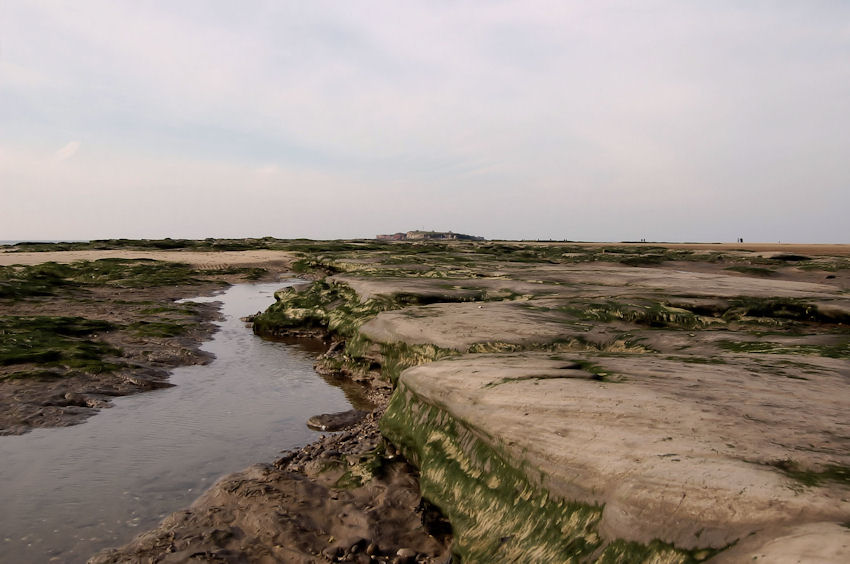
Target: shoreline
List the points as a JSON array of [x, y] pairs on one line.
[[563, 342], [141, 331], [509, 386], [346, 497], [70, 398], [82, 397], [163, 449]]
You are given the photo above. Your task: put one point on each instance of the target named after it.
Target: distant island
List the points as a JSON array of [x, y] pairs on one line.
[[429, 235]]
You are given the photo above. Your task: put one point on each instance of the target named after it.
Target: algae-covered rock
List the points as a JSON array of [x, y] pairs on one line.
[[497, 513], [534, 457]]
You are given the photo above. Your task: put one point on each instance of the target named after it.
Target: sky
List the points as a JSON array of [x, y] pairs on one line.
[[594, 121]]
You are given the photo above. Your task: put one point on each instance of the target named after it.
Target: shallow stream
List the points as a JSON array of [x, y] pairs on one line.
[[65, 493]]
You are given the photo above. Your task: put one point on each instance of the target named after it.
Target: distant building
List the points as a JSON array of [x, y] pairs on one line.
[[429, 235]]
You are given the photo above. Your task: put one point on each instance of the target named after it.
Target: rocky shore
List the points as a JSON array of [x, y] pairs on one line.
[[553, 403], [685, 411], [347, 497]]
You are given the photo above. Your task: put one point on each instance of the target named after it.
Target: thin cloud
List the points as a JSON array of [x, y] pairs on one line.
[[514, 118], [267, 170], [67, 151]]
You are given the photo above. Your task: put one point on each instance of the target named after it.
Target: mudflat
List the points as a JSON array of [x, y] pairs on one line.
[[200, 259], [82, 328]]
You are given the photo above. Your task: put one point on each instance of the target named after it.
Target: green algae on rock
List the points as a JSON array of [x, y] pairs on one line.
[[324, 305], [647, 421], [497, 513]]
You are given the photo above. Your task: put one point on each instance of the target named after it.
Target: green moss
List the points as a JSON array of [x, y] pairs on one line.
[[331, 306], [826, 264], [620, 551], [252, 273], [396, 357], [660, 315], [369, 465], [781, 309], [47, 279], [841, 350], [496, 347], [188, 308], [597, 372], [158, 328], [571, 344], [209, 244], [777, 313], [310, 264], [37, 374], [56, 341], [644, 313], [835, 473], [334, 307], [300, 309], [774, 312], [302, 265], [644, 260], [556, 345], [497, 513]]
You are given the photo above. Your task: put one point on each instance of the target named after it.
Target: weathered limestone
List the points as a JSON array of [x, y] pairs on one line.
[[666, 450], [670, 452], [457, 326]]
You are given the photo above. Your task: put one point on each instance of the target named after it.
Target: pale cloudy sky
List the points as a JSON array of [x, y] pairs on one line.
[[697, 121]]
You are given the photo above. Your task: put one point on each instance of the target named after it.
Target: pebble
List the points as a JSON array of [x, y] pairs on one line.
[[331, 553]]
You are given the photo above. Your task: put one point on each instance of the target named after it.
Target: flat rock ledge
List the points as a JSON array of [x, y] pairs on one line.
[[530, 454]]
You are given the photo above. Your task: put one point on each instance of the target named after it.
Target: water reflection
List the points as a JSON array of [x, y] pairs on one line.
[[355, 393]]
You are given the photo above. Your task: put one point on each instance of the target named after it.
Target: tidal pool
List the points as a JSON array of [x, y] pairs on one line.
[[66, 493]]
